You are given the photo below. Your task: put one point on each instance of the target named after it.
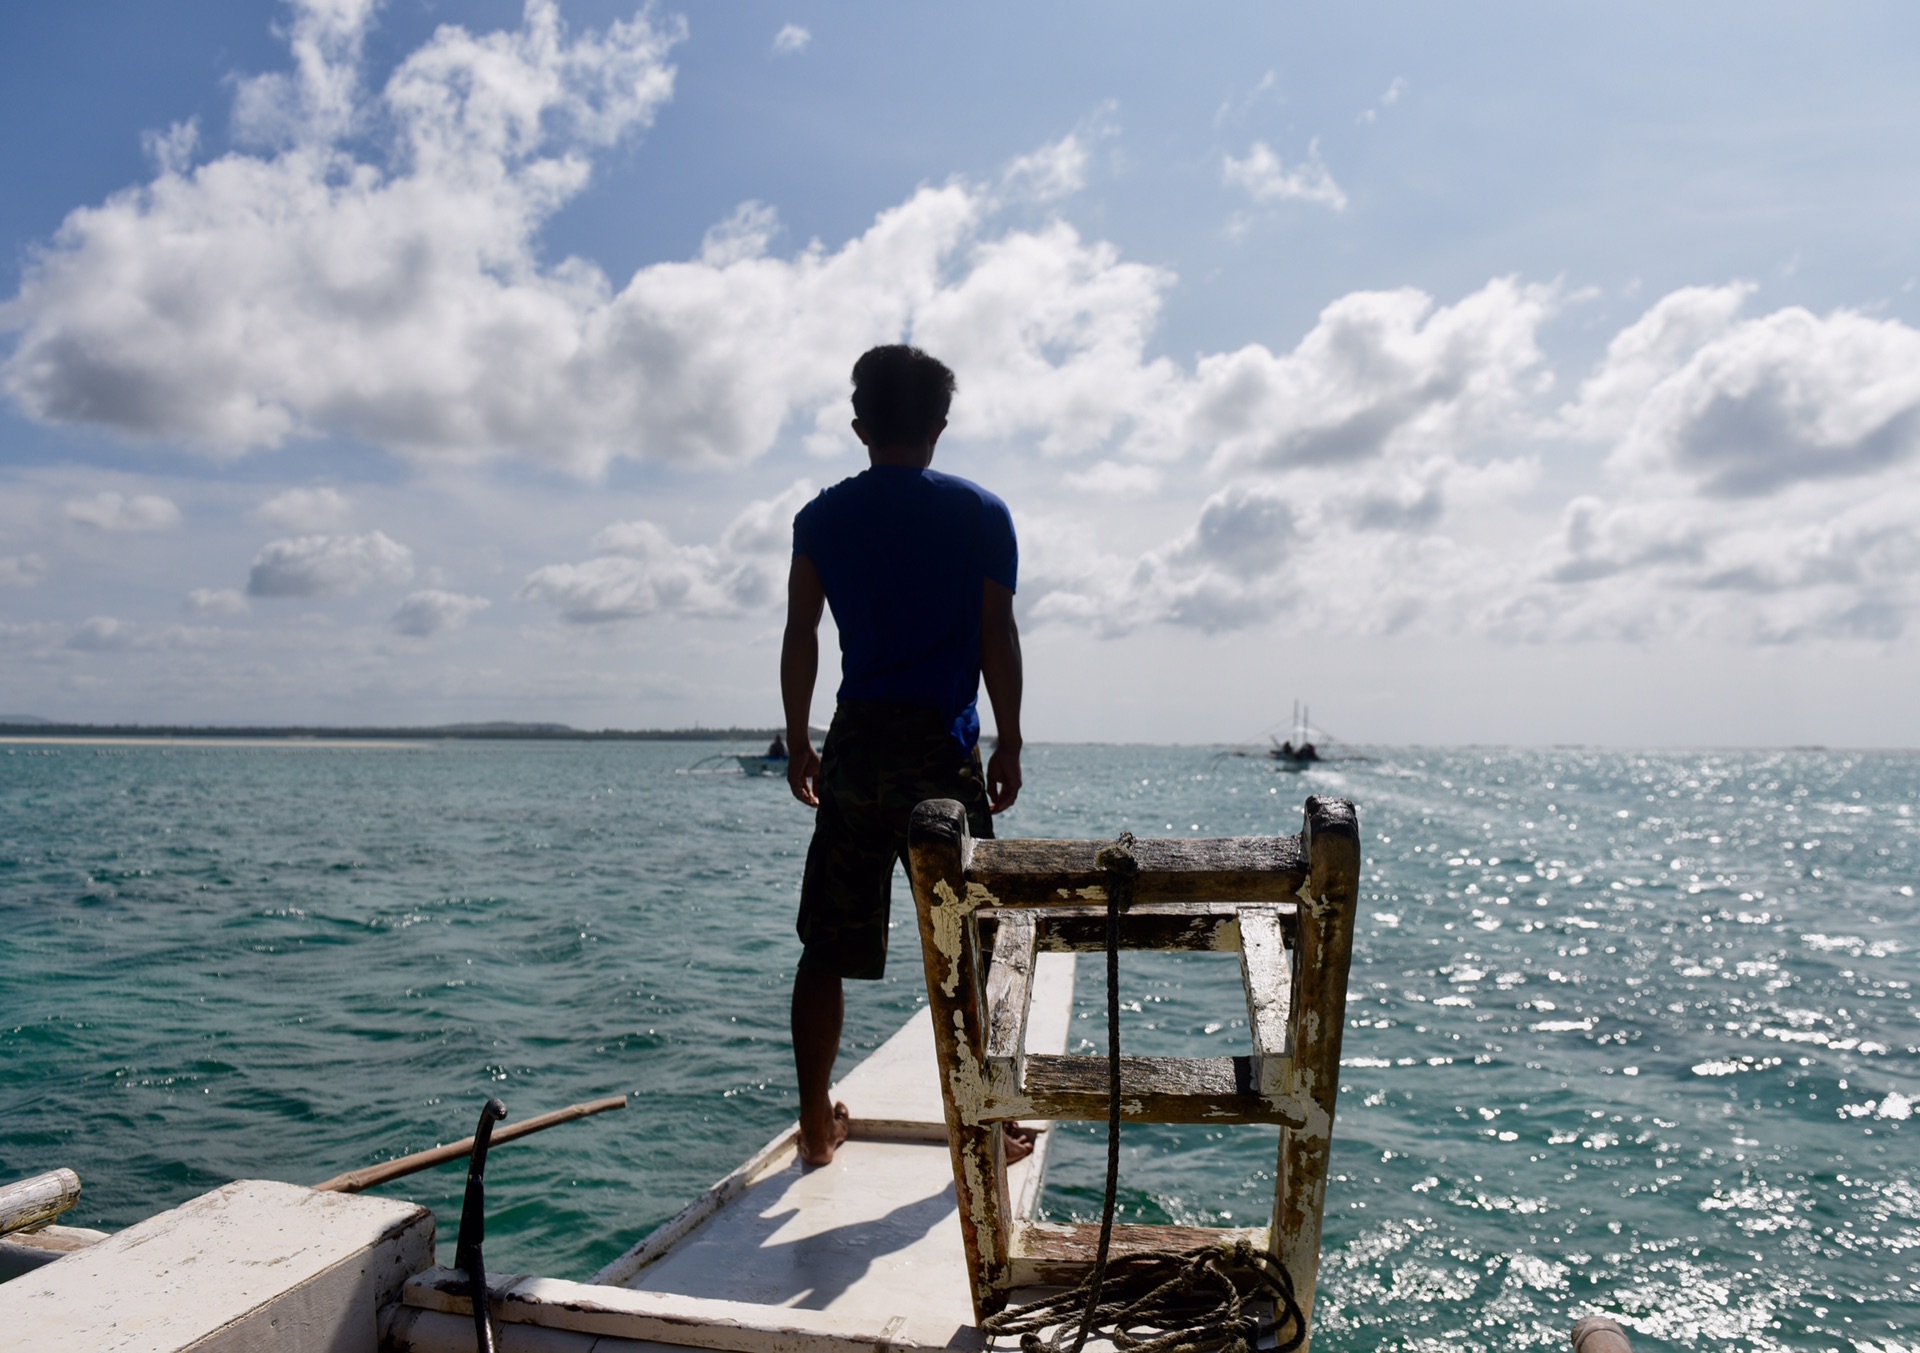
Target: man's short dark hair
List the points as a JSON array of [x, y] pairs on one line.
[[900, 395]]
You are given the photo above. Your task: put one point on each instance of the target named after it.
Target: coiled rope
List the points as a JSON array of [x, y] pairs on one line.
[[1202, 1300]]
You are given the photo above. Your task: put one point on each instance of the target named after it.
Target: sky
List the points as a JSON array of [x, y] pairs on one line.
[[1483, 373]]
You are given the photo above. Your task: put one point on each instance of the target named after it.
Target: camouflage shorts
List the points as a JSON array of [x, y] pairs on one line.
[[879, 761]]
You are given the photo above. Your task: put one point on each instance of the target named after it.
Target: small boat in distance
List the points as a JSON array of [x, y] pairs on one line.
[[1297, 752], [773, 761]]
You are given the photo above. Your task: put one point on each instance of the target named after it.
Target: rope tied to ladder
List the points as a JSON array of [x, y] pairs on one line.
[[1155, 1302], [1207, 1300]]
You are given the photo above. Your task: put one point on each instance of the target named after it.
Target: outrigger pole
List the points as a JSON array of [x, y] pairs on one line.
[[353, 1181]]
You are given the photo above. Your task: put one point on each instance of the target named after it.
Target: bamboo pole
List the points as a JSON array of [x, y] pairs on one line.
[[31, 1202], [1598, 1334], [353, 1181]]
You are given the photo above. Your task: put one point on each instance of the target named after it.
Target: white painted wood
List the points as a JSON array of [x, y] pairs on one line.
[[254, 1264], [1266, 971], [677, 1319], [31, 1202]]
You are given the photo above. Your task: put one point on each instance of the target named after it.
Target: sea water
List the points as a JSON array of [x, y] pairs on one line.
[[1633, 1032]]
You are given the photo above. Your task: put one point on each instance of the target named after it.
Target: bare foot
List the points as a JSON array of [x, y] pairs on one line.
[[1018, 1141], [838, 1127]]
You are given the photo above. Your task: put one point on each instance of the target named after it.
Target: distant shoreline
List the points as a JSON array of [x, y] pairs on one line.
[[271, 735]]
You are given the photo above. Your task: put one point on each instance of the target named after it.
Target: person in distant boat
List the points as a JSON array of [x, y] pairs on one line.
[[919, 568], [777, 749]]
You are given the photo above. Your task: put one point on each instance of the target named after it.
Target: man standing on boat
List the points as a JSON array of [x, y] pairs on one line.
[[919, 568]]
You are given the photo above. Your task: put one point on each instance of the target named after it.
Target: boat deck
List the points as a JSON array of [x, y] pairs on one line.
[[865, 1252]]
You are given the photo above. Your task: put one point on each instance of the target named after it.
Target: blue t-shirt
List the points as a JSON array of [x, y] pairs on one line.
[[902, 554]]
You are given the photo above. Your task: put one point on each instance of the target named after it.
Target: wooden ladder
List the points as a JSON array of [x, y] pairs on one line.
[[987, 908]]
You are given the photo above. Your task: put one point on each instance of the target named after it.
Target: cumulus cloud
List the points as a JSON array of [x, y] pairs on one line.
[[1051, 332], [22, 570], [305, 510], [642, 572], [1780, 400], [431, 610], [328, 566], [1647, 352], [1221, 575], [1265, 179], [311, 288], [791, 39], [766, 527], [1357, 495], [650, 576], [1380, 373], [117, 512], [224, 602]]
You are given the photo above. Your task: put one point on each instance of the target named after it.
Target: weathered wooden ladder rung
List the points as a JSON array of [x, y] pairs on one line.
[[1159, 1089], [1285, 905]]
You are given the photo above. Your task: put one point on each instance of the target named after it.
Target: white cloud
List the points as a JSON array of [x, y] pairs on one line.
[[218, 601], [306, 511], [1356, 497], [1111, 479], [791, 39], [1783, 399], [766, 527], [22, 570], [1647, 352], [642, 572], [307, 290], [1380, 373], [1265, 179], [109, 634], [317, 101], [1221, 575], [431, 610], [1391, 96], [1048, 174], [101, 634], [651, 576], [1049, 333], [328, 566], [110, 511], [172, 150], [743, 235]]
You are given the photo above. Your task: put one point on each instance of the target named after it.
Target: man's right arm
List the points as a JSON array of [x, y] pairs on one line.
[[799, 667]]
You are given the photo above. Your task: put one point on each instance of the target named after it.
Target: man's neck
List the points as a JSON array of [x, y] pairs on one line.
[[910, 456]]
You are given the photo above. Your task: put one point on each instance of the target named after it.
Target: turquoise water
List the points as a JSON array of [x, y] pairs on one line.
[[1631, 1032]]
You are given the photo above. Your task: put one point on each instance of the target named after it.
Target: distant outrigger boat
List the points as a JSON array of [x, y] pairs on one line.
[[743, 763], [1297, 752]]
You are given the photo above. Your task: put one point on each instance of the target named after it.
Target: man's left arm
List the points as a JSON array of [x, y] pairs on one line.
[[1001, 672]]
